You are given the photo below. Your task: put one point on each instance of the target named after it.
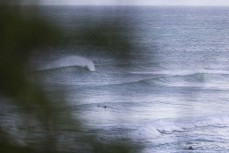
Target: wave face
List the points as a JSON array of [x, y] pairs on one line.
[[171, 95], [69, 61]]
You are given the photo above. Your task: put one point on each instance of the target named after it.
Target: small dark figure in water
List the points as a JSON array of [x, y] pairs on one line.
[[102, 106], [190, 148]]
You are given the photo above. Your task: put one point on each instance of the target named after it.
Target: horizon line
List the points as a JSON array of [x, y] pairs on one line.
[[164, 5]]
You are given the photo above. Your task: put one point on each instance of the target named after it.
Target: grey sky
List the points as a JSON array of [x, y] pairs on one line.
[[135, 2]]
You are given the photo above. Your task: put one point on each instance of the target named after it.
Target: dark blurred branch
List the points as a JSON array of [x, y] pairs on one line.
[[21, 34]]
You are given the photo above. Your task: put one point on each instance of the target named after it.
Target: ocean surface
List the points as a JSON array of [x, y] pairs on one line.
[[169, 94]]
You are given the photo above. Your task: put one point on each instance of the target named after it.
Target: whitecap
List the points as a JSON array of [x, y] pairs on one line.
[[67, 61]]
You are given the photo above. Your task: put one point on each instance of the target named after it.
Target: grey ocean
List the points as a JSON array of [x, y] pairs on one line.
[[171, 94]]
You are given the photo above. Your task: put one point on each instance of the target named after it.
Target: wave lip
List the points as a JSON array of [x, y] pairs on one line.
[[72, 60]]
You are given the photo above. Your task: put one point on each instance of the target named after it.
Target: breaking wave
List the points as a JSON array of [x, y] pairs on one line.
[[69, 61]]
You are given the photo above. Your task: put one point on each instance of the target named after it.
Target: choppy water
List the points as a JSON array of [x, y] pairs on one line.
[[172, 93]]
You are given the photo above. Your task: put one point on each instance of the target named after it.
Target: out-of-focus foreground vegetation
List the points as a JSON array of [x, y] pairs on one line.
[[37, 124]]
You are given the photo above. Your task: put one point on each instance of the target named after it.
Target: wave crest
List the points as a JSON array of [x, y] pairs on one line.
[[70, 61]]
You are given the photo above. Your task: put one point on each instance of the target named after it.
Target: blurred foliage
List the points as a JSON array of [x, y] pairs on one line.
[[19, 36]]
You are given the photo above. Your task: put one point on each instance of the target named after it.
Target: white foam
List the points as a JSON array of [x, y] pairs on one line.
[[70, 61], [146, 132], [158, 128]]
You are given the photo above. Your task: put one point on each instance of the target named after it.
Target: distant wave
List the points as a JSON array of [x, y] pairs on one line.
[[70, 61], [111, 76], [183, 72], [204, 79]]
